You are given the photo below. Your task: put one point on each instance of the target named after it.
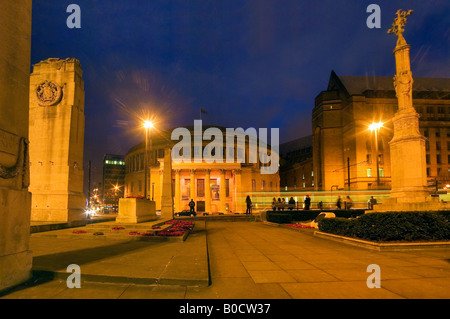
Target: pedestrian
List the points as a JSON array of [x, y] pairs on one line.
[[348, 203], [307, 202], [274, 204], [192, 206], [283, 203], [372, 201], [279, 203], [249, 205], [320, 205], [339, 202], [291, 203]]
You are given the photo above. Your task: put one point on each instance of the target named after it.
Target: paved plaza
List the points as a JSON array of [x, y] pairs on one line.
[[247, 260]]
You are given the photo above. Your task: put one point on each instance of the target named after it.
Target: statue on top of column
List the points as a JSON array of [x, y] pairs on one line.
[[397, 26]]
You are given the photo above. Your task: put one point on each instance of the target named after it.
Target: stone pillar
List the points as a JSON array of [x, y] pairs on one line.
[[192, 185], [407, 147], [223, 194], [167, 193], [208, 191], [15, 200], [57, 142], [238, 185], [177, 190]]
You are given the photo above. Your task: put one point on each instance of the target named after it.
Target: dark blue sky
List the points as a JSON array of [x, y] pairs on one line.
[[257, 63]]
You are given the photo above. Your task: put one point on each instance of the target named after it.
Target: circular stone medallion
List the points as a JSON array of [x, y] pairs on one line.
[[48, 93]]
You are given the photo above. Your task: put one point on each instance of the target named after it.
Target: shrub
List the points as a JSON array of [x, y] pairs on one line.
[[279, 218], [395, 226]]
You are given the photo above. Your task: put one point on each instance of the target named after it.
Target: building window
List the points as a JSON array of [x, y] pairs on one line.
[[430, 110], [200, 188], [263, 185], [227, 188], [381, 172], [185, 189], [312, 173], [438, 133], [428, 172], [140, 186], [427, 157], [425, 133], [438, 159], [369, 159], [304, 185], [369, 172], [438, 146]]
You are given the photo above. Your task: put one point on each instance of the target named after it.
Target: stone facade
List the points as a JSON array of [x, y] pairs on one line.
[[57, 141], [215, 188], [15, 199], [343, 145]]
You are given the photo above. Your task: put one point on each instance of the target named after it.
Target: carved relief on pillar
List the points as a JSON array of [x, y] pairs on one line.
[[21, 166], [403, 83]]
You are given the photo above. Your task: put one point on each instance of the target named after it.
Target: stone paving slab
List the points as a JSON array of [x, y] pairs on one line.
[[251, 260], [125, 261]]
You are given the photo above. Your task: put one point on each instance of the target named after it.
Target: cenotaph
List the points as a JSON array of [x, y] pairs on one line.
[[57, 142]]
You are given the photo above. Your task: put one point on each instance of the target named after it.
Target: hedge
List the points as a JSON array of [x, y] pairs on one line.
[[394, 226]]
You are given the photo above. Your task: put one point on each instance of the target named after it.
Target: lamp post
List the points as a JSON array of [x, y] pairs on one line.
[[374, 127], [147, 126]]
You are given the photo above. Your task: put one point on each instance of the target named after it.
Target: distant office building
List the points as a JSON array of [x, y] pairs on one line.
[[348, 155], [296, 165], [113, 181]]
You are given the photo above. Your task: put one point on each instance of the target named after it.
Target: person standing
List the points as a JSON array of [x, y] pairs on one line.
[[291, 203], [339, 202], [249, 205], [192, 206], [307, 202], [372, 201]]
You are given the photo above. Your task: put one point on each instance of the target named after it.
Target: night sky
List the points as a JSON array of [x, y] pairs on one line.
[[256, 63]]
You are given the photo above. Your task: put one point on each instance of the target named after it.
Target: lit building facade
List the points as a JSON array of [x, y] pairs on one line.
[[348, 155], [214, 187], [113, 181]]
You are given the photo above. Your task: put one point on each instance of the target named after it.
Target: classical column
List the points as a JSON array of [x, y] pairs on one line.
[[192, 185], [407, 147], [177, 190], [208, 191], [223, 194], [238, 190], [166, 187]]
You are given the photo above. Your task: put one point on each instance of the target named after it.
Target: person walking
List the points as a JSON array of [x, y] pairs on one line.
[[192, 206], [348, 203], [307, 202], [249, 205]]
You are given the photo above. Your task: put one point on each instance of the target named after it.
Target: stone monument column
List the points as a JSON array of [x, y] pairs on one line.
[[15, 200], [57, 142], [167, 192], [407, 147]]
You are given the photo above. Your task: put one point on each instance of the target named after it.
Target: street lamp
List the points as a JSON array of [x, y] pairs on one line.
[[374, 127], [148, 125]]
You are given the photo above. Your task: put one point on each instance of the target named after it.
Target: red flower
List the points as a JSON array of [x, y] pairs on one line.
[[132, 233], [79, 232]]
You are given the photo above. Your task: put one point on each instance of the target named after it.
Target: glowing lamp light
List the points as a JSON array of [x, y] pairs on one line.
[[148, 124], [375, 126]]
